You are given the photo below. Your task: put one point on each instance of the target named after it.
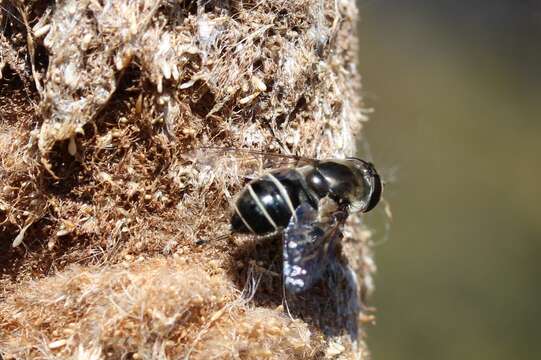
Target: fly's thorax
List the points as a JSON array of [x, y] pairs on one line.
[[336, 179]]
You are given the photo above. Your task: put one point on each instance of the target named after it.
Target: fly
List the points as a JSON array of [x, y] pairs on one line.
[[308, 205]]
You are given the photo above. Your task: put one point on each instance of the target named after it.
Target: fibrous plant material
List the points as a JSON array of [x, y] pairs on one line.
[[113, 210], [154, 309]]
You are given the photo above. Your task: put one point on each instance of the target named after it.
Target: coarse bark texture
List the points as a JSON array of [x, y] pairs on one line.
[[114, 239]]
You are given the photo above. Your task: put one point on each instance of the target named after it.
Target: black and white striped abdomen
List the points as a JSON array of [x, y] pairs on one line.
[[266, 204]]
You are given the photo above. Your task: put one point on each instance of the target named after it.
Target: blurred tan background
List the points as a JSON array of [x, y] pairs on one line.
[[456, 87]]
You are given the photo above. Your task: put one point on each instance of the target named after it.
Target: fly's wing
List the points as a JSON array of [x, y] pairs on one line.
[[307, 246], [274, 159]]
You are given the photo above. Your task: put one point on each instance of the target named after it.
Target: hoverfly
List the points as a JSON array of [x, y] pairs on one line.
[[308, 204]]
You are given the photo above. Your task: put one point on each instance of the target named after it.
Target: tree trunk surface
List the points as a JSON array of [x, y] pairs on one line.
[[114, 201]]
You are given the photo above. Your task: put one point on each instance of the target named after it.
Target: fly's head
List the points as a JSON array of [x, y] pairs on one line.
[[368, 194]]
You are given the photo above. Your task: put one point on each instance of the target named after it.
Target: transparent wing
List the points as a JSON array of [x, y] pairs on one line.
[[245, 154], [308, 244]]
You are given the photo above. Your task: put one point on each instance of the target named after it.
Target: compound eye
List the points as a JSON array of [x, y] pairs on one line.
[[376, 189]]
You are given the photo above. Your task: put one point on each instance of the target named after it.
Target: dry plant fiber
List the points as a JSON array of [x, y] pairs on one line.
[[114, 240]]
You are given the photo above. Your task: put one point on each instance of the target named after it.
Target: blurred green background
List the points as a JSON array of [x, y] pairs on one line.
[[456, 88]]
